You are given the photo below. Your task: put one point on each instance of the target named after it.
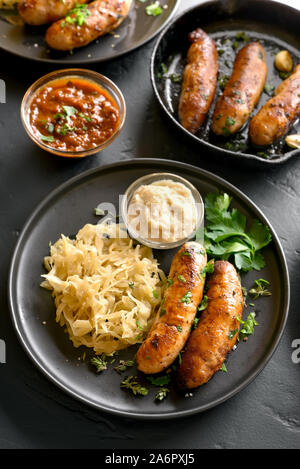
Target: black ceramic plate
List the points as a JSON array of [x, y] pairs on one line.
[[66, 210], [275, 25], [138, 28]]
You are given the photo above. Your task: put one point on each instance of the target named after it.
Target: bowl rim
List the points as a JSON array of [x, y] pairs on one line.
[[197, 140], [159, 177], [89, 75]]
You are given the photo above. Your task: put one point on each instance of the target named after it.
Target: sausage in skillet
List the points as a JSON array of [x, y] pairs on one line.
[[95, 20], [38, 12], [277, 115], [199, 81], [242, 90], [177, 312], [217, 330]]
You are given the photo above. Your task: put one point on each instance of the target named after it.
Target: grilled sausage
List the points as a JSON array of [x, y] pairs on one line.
[[199, 81], [217, 329], [177, 312], [38, 12], [100, 17], [242, 90], [277, 115]]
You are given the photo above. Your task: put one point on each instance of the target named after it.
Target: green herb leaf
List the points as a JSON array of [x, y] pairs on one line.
[[131, 383], [226, 235], [159, 380], [99, 362], [203, 304], [154, 9], [123, 365], [49, 138], [224, 368], [154, 293], [248, 326], [69, 110], [186, 298], [232, 334], [162, 394], [181, 278], [260, 288]]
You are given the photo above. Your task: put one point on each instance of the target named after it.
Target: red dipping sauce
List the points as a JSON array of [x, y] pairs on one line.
[[73, 114]]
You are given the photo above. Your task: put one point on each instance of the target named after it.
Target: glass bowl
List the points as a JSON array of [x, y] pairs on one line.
[[88, 75], [149, 179]]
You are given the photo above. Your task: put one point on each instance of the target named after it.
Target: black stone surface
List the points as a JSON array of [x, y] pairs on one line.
[[33, 412]]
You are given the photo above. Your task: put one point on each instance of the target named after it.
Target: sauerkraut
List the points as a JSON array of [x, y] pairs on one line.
[[106, 289]]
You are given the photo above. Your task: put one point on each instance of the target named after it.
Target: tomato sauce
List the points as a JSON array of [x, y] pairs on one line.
[[73, 114]]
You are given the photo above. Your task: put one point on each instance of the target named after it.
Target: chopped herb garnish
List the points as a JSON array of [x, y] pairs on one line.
[[99, 362], [159, 380], [284, 75], [139, 325], [131, 383], [260, 288], [175, 78], [235, 45], [186, 298], [123, 365], [169, 282], [196, 320], [162, 394], [49, 138], [154, 293], [179, 328], [185, 253], [242, 37], [131, 284], [162, 312], [87, 118], [223, 81], [269, 89], [223, 368], [203, 304], [69, 110], [181, 278], [77, 15], [248, 326], [232, 334], [219, 117], [209, 268], [221, 51], [99, 212], [154, 9], [229, 121], [226, 132]]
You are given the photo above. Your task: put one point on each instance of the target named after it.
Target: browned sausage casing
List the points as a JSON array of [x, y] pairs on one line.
[[210, 342], [242, 90], [276, 116], [199, 81], [38, 12], [175, 316], [104, 17]]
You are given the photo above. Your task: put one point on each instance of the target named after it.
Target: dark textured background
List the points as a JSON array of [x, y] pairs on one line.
[[34, 413]]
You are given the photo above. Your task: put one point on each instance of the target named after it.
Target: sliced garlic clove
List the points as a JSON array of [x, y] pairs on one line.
[[293, 141]]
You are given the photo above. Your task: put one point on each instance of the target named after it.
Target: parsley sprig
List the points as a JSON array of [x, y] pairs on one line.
[[226, 235]]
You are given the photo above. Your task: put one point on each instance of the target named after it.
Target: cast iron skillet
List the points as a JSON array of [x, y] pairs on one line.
[[137, 29], [274, 24], [66, 210]]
